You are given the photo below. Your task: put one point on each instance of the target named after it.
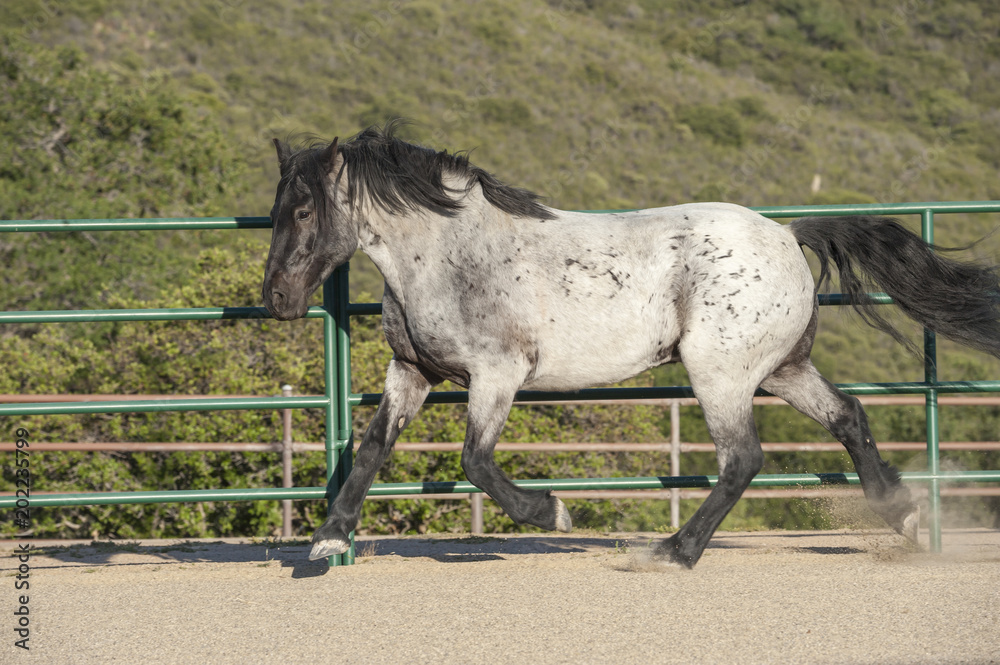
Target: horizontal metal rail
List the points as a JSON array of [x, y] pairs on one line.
[[150, 224], [162, 314], [456, 446], [420, 488], [797, 492], [223, 223], [148, 406], [237, 313], [452, 397], [760, 400], [752, 493], [676, 392], [912, 208]]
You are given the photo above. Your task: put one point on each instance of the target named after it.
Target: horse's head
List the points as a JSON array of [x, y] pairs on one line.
[[312, 234]]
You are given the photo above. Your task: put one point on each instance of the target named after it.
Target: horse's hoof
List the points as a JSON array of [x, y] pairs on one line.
[[668, 555], [328, 547], [564, 522], [911, 527]]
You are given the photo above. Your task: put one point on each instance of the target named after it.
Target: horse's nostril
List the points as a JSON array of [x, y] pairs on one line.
[[277, 297]]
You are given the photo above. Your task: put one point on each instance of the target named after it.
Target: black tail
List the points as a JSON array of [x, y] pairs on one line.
[[956, 299]]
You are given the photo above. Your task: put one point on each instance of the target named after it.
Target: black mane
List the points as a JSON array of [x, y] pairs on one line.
[[398, 176]]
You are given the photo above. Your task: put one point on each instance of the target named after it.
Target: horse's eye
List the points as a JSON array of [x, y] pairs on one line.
[[302, 215]]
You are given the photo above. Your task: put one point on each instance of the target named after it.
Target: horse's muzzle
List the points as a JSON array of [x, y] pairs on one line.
[[281, 302]]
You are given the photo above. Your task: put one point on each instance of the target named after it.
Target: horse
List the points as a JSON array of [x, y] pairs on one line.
[[490, 289]]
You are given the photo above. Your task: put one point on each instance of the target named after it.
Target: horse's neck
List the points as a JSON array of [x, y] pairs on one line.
[[378, 237], [389, 240], [402, 245]]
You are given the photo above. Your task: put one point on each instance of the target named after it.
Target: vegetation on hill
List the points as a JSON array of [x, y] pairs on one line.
[[81, 141], [119, 108]]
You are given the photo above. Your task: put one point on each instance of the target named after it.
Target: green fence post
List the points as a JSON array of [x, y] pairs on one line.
[[345, 438], [931, 408], [330, 364]]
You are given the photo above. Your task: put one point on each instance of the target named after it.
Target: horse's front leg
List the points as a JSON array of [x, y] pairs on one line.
[[406, 387], [489, 405]]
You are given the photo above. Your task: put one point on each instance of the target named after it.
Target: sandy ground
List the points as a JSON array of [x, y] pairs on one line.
[[765, 597]]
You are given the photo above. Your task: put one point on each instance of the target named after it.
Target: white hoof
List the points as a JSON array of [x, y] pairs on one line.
[[325, 548], [564, 522], [911, 526]]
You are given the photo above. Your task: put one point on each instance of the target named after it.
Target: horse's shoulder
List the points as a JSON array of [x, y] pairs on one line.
[[394, 326]]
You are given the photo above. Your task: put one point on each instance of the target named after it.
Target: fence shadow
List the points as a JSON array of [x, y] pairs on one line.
[[294, 553]]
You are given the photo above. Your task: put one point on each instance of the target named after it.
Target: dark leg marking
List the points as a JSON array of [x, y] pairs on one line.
[[406, 387], [488, 409], [730, 421], [802, 386]]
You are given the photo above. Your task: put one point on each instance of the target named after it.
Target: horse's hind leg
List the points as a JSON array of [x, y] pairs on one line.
[[729, 414], [489, 405], [406, 387], [802, 386]]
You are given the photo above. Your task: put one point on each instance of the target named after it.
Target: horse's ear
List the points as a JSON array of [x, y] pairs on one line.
[[284, 152], [329, 156]]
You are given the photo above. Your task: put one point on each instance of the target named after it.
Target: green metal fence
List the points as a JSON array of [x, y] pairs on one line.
[[338, 399]]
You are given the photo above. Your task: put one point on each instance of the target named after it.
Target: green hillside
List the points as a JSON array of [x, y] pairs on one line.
[[133, 108], [594, 105]]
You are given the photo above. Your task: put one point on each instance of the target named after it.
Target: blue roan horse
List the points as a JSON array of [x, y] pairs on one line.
[[489, 289]]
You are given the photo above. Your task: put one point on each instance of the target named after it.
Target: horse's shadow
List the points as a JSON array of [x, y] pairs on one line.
[[114, 554], [478, 548], [294, 553]]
